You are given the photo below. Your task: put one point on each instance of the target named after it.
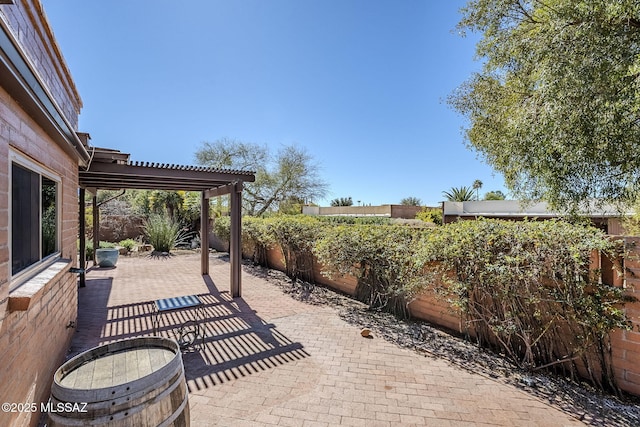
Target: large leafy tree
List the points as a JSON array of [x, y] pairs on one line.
[[411, 201], [556, 106], [286, 175], [342, 201], [494, 195]]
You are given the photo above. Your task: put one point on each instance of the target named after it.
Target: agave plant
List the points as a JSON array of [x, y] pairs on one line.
[[164, 234], [459, 194]]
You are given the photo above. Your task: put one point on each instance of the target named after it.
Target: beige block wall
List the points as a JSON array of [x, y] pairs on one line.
[[390, 211], [426, 306], [33, 343], [406, 212], [626, 344]]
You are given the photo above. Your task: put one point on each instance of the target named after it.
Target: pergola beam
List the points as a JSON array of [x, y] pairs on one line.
[[210, 182], [117, 175], [220, 191]]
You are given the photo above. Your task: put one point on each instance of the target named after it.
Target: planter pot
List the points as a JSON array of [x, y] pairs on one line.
[[107, 257]]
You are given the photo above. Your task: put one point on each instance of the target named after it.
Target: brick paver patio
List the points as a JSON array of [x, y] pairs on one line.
[[270, 360]]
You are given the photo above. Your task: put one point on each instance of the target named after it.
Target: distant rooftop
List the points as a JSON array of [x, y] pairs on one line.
[[516, 208]]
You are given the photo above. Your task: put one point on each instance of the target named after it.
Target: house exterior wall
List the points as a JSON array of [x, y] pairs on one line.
[[606, 218], [26, 19], [35, 317]]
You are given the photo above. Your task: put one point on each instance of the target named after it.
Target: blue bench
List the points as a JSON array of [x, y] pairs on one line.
[[191, 330]]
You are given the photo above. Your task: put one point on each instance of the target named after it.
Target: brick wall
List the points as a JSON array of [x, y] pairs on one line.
[[33, 342], [27, 22], [34, 336]]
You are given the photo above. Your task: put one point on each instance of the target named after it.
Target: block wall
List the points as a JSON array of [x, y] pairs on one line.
[[34, 342], [625, 344], [34, 332], [27, 22]]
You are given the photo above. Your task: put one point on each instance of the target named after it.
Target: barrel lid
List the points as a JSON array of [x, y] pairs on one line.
[[117, 368], [114, 364]]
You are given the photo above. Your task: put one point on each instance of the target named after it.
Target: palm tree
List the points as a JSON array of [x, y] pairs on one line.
[[459, 194], [477, 185]]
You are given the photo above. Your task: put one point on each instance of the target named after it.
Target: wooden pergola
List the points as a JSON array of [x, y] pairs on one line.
[[112, 170]]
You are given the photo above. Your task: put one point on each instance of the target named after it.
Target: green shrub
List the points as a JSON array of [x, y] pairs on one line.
[[128, 244], [336, 220], [362, 220], [526, 289], [382, 258], [296, 235], [373, 220], [257, 238], [433, 215], [163, 233], [222, 227], [89, 247]]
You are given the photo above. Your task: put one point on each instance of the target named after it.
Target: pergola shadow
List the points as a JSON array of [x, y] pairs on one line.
[[236, 341]]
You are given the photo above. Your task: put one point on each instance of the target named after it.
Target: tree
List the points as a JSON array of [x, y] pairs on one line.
[[556, 107], [411, 201], [288, 175], [494, 195], [342, 201], [477, 185], [459, 194]]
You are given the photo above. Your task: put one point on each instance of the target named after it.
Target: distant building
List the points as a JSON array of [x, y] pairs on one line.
[[387, 211], [606, 217]]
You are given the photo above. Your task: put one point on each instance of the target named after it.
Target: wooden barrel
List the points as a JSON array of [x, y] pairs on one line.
[[133, 382]]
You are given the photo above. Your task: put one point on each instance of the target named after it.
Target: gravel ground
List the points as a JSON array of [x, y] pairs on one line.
[[580, 400]]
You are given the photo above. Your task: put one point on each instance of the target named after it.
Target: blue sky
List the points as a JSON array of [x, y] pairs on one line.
[[360, 84]]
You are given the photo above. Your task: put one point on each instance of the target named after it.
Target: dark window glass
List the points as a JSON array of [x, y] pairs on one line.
[[49, 217], [34, 233], [25, 229]]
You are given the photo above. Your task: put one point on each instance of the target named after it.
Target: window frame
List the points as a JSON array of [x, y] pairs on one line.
[[31, 165]]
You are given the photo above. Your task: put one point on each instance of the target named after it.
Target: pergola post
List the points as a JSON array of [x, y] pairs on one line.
[[82, 231], [96, 225], [235, 246], [204, 234]]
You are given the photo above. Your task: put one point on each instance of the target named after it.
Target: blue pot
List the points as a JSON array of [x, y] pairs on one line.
[[107, 257]]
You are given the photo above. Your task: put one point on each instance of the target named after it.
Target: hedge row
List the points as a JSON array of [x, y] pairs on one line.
[[524, 288]]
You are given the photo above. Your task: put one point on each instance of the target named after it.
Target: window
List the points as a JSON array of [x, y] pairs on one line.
[[34, 215]]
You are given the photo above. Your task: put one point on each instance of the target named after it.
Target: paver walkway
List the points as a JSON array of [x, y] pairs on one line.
[[271, 360]]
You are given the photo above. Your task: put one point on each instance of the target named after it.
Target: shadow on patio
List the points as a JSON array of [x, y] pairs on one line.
[[236, 342]]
